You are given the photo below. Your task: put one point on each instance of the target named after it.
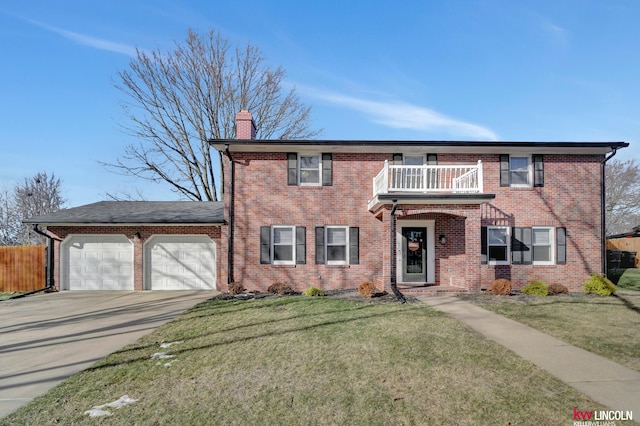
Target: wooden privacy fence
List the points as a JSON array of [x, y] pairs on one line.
[[22, 268]]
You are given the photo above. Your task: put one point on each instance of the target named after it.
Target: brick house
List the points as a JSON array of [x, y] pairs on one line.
[[430, 215]]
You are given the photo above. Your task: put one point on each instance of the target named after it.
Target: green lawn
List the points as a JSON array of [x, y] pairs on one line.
[[630, 280], [5, 296], [300, 360], [608, 326]]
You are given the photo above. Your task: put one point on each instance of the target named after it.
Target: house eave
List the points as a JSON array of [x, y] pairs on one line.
[[381, 200], [410, 146], [61, 224]]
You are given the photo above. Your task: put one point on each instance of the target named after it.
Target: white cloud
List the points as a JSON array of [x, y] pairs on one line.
[[559, 34], [404, 116], [88, 41]]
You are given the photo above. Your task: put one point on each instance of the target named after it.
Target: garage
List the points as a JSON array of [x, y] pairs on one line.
[[180, 262], [97, 262]]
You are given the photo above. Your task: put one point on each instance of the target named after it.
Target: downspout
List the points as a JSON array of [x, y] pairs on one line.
[[603, 215], [393, 285], [230, 235]]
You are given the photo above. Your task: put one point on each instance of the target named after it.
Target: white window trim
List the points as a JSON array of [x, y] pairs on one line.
[[299, 166], [508, 254], [326, 245], [529, 183], [552, 244], [293, 244]]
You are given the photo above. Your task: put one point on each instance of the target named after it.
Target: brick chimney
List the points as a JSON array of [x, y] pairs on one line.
[[245, 126]]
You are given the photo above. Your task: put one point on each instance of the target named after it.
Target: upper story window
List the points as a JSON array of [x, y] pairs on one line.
[[309, 169], [521, 170]]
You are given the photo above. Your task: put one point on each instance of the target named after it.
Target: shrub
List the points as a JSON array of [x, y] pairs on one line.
[[535, 288], [313, 291], [597, 284], [281, 289], [501, 286], [236, 288], [556, 288], [367, 289]]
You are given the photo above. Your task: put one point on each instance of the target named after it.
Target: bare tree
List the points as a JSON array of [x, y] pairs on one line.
[[622, 204], [9, 220], [178, 100], [34, 197]]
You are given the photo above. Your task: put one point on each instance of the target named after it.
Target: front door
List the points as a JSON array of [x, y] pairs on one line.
[[414, 254]]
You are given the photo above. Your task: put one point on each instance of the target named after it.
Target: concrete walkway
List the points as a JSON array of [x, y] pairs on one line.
[[604, 381], [46, 338]]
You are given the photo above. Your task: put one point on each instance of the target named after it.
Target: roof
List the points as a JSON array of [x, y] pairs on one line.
[[633, 234], [136, 212], [391, 146]]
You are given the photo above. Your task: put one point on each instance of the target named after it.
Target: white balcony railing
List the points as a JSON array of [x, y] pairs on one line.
[[425, 179]]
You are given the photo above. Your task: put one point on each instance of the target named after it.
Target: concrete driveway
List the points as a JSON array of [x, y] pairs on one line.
[[46, 338]]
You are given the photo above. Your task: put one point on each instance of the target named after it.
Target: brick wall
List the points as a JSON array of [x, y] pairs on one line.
[[144, 232], [570, 198]]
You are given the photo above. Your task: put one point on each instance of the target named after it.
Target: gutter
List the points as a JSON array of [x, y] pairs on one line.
[[603, 216], [231, 202], [393, 284]]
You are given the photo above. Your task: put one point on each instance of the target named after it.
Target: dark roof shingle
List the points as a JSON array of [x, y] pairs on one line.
[[122, 212]]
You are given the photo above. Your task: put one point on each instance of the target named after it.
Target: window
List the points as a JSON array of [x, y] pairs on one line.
[[498, 244], [283, 245], [542, 245], [521, 170], [538, 245], [309, 169], [337, 245]]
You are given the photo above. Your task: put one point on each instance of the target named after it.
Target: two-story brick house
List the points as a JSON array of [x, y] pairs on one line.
[[331, 213]]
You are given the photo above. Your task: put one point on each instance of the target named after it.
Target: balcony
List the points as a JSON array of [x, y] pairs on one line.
[[429, 184]]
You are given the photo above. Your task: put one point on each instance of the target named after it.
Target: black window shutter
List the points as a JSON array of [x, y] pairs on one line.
[[265, 244], [397, 159], [483, 244], [319, 244], [432, 159], [538, 170], [521, 246], [504, 170], [292, 168], [354, 246], [561, 246], [327, 170], [301, 245]]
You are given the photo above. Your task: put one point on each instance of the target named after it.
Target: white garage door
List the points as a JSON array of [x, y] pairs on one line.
[[97, 262], [180, 262]]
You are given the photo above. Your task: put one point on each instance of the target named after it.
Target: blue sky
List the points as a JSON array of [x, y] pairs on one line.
[[557, 70]]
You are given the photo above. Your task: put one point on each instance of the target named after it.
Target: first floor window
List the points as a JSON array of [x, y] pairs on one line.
[[538, 245], [337, 245], [283, 244], [542, 243], [498, 239]]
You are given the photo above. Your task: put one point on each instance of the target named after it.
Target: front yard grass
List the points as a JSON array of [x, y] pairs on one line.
[[630, 279], [299, 360], [608, 326], [5, 296]]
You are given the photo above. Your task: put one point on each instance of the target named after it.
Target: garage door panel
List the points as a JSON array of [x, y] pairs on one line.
[[98, 262], [180, 262]]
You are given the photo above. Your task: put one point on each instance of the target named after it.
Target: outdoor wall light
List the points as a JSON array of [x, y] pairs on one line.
[[442, 239]]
